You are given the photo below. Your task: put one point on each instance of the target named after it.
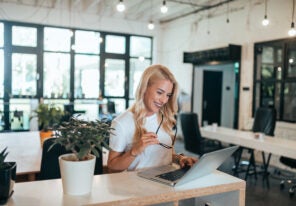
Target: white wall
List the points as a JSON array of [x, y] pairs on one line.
[[197, 32]]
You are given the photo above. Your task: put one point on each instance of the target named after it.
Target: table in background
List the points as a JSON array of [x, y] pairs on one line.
[[269, 144], [126, 188], [24, 148]]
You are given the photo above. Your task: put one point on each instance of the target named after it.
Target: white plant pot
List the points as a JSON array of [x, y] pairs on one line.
[[77, 176]]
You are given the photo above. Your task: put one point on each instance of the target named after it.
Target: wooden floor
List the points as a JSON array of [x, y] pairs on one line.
[[257, 193]]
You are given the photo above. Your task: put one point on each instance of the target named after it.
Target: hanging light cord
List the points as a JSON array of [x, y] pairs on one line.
[[293, 10], [266, 8]]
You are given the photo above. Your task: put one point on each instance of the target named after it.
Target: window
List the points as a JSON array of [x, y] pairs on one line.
[[87, 42], [114, 78], [136, 69], [24, 67], [56, 77], [141, 46], [24, 36], [115, 44], [1, 74], [1, 65], [87, 76], [275, 78], [83, 68], [56, 39]]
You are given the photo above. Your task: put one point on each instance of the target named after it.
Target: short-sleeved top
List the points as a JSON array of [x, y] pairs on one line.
[[122, 138]]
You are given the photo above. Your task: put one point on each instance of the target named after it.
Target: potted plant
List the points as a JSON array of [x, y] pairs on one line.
[[85, 139], [7, 177], [48, 116]]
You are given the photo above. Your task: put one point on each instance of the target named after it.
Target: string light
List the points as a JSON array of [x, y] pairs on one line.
[[292, 31], [164, 8], [265, 21], [120, 6], [151, 25]]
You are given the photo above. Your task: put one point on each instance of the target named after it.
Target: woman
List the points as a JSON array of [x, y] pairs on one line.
[[143, 135]]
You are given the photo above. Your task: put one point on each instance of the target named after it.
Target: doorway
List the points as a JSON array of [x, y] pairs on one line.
[[215, 93], [212, 92]]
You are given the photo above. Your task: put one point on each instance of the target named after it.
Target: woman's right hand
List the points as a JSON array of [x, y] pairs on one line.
[[148, 138]]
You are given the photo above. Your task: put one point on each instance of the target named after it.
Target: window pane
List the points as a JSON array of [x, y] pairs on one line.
[[24, 36], [292, 61], [90, 107], [57, 39], [115, 44], [1, 73], [56, 75], [267, 94], [20, 110], [267, 71], [136, 69], [87, 42], [140, 46], [24, 68], [1, 35], [1, 115], [277, 98], [114, 77], [267, 54], [87, 76], [290, 102]]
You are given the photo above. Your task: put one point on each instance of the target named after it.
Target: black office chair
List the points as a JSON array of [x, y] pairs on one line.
[[193, 140], [264, 122], [50, 168], [291, 180]]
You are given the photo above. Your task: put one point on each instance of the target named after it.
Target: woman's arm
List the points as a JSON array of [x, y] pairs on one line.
[[120, 161]]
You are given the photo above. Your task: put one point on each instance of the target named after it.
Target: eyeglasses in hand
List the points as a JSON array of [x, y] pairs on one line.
[[162, 144]]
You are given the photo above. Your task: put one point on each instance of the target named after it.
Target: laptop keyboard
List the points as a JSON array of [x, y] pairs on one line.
[[174, 175]]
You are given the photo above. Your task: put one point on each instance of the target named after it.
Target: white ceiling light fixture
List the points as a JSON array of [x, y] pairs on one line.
[[151, 25], [120, 6], [265, 21], [292, 31], [164, 8]]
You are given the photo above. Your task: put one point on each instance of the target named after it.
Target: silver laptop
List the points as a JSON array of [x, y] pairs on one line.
[[174, 176]]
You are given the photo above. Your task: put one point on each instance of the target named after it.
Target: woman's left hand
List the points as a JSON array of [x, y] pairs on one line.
[[187, 161]]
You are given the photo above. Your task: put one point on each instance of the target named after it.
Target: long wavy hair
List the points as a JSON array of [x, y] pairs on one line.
[[151, 74]]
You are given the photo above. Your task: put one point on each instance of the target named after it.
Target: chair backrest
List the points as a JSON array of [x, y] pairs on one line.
[[265, 120], [288, 161], [191, 132], [111, 107], [50, 168]]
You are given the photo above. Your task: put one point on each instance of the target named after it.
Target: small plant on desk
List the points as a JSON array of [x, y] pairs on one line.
[[7, 177], [81, 138]]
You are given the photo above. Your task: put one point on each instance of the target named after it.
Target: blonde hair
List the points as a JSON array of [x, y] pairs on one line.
[[150, 75]]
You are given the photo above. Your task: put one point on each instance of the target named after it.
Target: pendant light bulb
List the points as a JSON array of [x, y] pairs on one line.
[[292, 31], [120, 6], [265, 21], [151, 25], [164, 8]]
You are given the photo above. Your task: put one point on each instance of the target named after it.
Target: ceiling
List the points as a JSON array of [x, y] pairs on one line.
[[139, 10]]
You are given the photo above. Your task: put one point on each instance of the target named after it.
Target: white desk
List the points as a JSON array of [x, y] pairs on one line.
[[274, 145], [24, 149], [127, 188]]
